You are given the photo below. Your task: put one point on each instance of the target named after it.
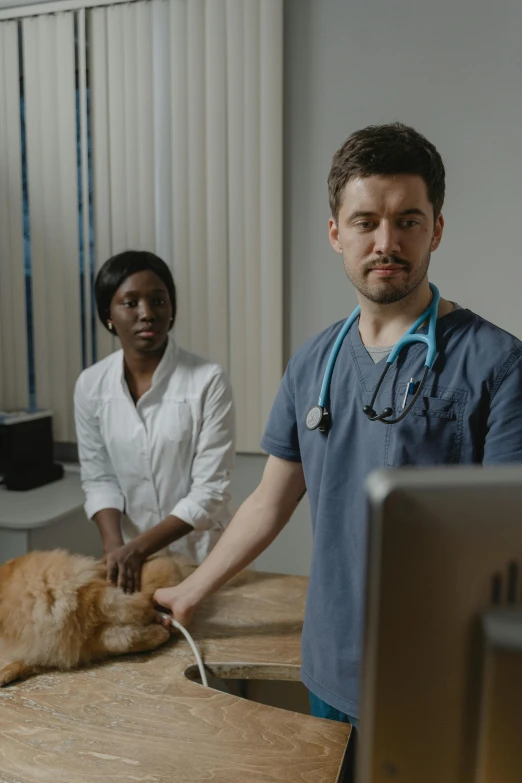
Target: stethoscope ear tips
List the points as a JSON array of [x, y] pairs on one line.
[[368, 410]]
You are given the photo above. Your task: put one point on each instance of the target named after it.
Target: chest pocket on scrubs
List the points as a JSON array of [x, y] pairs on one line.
[[431, 433]]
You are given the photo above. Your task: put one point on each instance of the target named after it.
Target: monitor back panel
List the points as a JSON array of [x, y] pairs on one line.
[[438, 541]]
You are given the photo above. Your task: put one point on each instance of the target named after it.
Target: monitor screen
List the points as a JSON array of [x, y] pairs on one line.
[[441, 681]]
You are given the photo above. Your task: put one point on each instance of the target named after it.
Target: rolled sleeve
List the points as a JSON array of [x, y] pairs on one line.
[[99, 482], [208, 501]]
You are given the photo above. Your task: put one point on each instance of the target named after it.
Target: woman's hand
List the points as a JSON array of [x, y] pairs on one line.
[[178, 604], [124, 567]]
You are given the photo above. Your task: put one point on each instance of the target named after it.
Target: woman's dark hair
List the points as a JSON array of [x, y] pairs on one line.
[[386, 149], [121, 266]]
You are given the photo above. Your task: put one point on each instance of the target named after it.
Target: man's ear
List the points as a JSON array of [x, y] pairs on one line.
[[437, 232], [333, 234]]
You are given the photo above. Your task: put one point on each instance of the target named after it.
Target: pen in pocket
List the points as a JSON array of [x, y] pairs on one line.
[[410, 389]]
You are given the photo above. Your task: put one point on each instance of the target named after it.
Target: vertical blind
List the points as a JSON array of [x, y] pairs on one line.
[[151, 125], [14, 385]]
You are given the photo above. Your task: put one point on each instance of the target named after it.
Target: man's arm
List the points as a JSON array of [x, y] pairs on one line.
[[503, 440], [256, 524]]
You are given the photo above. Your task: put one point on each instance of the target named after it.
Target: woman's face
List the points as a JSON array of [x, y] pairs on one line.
[[141, 312]]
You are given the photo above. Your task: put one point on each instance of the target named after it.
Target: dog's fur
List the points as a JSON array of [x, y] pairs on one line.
[[57, 611]]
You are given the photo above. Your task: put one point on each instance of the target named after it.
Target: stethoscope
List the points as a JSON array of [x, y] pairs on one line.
[[318, 416]]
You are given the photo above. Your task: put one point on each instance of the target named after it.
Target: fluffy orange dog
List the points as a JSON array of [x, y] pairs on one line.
[[57, 611]]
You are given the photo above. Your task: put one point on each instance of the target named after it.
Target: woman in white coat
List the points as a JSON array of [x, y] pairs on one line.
[[155, 427]]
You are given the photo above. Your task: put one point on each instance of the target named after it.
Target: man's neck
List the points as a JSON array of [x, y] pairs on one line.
[[384, 324]]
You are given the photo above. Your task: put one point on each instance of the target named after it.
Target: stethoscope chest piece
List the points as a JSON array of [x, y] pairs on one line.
[[318, 418]]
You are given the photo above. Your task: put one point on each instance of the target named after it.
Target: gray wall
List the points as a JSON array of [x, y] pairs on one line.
[[453, 70]]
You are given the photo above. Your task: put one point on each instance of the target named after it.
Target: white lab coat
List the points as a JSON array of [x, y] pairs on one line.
[[171, 453]]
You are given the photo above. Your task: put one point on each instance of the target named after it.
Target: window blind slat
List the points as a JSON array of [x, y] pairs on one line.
[[271, 202], [161, 121], [14, 387], [179, 177], [251, 195], [236, 218], [49, 83], [216, 196], [129, 84], [198, 206], [84, 164], [67, 329], [144, 127], [118, 137], [101, 173]]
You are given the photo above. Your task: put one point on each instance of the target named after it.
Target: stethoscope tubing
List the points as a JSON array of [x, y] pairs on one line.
[[409, 337], [327, 377]]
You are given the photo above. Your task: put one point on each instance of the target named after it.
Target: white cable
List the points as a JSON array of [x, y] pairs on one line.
[[190, 640]]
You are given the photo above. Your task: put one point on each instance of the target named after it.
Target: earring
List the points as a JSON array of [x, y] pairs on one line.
[[110, 325]]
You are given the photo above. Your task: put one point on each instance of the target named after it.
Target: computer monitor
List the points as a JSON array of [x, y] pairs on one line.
[[442, 673]]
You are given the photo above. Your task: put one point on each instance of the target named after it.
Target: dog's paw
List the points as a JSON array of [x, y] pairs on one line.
[[15, 671], [8, 674]]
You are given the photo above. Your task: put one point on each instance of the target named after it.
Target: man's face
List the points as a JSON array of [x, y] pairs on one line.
[[386, 234]]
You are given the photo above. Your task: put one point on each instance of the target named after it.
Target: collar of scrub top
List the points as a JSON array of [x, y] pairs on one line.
[[319, 416]]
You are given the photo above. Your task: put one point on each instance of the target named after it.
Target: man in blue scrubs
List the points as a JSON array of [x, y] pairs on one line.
[[386, 188]]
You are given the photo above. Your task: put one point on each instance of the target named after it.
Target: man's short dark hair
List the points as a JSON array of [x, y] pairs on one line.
[[121, 266], [386, 149]]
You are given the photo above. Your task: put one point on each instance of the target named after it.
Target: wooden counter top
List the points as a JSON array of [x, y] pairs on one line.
[[140, 719]]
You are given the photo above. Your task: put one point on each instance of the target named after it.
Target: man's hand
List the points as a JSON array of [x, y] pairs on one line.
[[256, 524], [179, 606], [124, 567]]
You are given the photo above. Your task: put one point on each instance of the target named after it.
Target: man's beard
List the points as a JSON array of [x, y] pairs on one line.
[[388, 291]]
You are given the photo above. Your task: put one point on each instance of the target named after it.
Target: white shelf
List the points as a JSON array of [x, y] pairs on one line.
[[36, 508]]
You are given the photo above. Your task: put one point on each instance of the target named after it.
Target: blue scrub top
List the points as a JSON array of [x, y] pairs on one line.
[[470, 412]]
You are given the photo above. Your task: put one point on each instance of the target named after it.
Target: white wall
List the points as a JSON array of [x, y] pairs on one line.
[[290, 553], [453, 70]]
